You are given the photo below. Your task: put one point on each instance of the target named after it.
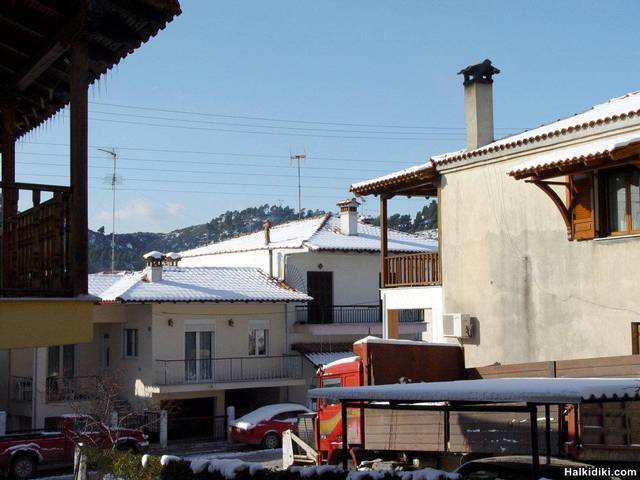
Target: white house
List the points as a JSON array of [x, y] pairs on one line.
[[335, 260], [193, 340], [538, 232]]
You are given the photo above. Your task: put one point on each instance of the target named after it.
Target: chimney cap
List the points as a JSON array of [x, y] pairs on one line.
[[153, 255], [348, 202], [479, 73], [173, 256]]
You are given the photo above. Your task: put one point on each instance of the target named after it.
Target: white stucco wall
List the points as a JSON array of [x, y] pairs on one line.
[[535, 295]]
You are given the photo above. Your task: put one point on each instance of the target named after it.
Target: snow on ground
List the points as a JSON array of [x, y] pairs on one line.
[[268, 459]]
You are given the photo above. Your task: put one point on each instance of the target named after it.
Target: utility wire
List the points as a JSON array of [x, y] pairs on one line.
[[270, 119], [230, 154], [229, 164], [274, 127], [279, 175]]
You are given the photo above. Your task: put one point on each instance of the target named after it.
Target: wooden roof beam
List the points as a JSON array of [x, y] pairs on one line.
[[18, 26], [50, 53], [43, 8]]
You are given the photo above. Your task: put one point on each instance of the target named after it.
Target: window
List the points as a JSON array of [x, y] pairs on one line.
[[130, 342], [258, 341], [331, 382], [621, 209], [635, 338], [61, 361]]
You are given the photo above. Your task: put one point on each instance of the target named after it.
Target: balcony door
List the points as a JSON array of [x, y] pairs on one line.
[[199, 344], [320, 287]]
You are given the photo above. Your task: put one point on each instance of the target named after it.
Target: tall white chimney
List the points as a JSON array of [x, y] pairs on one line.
[[349, 216], [478, 103], [153, 262]]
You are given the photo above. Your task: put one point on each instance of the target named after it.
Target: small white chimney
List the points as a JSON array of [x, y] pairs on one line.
[[153, 262], [267, 232], [478, 103], [348, 216]]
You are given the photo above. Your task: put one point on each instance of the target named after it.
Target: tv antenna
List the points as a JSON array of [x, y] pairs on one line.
[[113, 180], [298, 158]]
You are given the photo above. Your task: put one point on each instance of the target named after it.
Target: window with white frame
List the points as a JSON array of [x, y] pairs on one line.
[[258, 337], [130, 342]]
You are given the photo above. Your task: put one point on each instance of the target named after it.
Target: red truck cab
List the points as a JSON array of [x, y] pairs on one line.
[[22, 453]]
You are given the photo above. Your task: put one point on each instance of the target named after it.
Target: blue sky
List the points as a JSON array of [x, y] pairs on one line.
[[390, 66]]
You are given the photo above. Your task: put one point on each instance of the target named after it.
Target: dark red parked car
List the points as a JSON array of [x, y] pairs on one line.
[[265, 425]]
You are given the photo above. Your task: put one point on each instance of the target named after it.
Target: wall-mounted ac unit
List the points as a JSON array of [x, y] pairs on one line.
[[457, 325]]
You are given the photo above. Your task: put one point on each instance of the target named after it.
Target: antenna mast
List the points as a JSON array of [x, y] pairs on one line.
[[298, 158], [114, 181]]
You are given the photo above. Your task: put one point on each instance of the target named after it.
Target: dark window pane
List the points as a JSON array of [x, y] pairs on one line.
[[617, 208], [53, 362], [68, 360], [635, 199]]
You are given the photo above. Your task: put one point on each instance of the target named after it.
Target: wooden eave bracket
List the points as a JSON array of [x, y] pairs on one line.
[[565, 211]]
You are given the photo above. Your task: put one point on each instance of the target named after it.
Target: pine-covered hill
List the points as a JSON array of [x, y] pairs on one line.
[[131, 246]]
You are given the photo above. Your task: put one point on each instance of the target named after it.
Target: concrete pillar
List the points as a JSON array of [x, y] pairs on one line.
[[231, 417], [163, 428], [3, 423]]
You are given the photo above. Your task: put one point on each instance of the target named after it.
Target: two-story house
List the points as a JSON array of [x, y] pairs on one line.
[[189, 340], [539, 235], [334, 259]]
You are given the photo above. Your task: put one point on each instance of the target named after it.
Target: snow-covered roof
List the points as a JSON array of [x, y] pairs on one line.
[[404, 174], [614, 110], [323, 358], [318, 233], [500, 390], [194, 284], [575, 153], [619, 109]]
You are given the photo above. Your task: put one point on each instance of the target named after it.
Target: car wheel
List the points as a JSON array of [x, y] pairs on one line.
[[128, 448], [271, 441], [23, 467]]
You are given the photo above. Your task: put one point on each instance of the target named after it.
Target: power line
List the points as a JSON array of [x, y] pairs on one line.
[[270, 119], [230, 154], [201, 182], [253, 132], [275, 127], [230, 164], [181, 170]]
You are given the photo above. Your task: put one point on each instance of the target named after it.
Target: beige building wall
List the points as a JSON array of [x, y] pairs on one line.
[[533, 294]]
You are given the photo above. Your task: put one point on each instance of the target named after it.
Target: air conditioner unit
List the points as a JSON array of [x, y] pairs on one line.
[[456, 325]]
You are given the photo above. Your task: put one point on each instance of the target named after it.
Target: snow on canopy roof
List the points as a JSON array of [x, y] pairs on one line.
[[194, 284], [574, 154], [318, 233], [324, 358], [499, 390], [403, 174], [616, 109], [400, 341]]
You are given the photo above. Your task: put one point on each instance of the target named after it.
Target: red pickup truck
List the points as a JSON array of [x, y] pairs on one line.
[[22, 453]]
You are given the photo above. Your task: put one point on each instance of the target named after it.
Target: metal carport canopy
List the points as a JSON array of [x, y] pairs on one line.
[[539, 391]]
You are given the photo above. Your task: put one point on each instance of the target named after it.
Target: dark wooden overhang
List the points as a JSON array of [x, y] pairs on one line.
[[420, 182], [607, 158], [35, 53], [558, 173]]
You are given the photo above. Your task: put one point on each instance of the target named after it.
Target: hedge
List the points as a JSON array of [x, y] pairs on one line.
[[127, 466]]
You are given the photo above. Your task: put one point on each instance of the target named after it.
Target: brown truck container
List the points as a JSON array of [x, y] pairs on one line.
[[398, 362]]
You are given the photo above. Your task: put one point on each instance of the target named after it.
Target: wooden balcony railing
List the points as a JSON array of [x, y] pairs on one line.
[[36, 255], [416, 269]]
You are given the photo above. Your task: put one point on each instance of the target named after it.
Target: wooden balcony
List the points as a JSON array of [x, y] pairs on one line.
[[412, 270], [36, 253]]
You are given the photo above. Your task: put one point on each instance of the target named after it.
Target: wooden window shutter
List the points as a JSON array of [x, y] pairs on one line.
[[582, 213]]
